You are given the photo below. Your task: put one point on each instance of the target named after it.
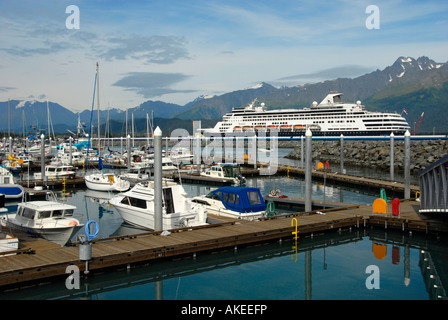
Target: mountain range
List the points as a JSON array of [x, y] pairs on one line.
[[417, 85]]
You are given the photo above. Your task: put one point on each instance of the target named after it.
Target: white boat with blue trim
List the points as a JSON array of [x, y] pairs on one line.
[[236, 202]]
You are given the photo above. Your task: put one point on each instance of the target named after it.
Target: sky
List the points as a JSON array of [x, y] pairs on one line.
[[175, 51]]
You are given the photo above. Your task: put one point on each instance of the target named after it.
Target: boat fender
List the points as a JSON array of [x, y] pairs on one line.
[[270, 208], [73, 223]]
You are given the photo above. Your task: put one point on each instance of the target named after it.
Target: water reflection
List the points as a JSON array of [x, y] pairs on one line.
[[330, 266]]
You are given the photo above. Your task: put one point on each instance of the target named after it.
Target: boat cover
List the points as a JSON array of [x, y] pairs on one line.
[[241, 199]]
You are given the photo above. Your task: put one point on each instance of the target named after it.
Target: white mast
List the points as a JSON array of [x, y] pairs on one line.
[[98, 105], [133, 129]]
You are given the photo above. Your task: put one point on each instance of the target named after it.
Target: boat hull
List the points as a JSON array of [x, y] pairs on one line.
[[144, 218], [251, 216], [292, 134], [56, 235], [8, 243], [118, 185]]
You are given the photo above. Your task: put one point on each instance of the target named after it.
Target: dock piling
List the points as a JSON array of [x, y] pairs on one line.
[[392, 178], [407, 165], [42, 158], [158, 224], [308, 172]]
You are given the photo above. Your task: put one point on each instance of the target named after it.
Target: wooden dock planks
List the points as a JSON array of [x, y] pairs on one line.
[[49, 261]]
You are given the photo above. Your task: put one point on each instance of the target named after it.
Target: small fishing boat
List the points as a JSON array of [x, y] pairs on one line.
[[136, 207], [137, 174], [8, 187], [57, 170], [235, 202], [180, 155], [228, 172], [51, 220], [12, 166], [106, 182], [167, 165]]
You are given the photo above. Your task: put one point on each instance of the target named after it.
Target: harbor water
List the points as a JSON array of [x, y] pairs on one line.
[[333, 266]]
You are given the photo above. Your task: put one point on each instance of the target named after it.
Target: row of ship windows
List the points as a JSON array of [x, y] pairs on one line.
[[341, 116], [337, 121]]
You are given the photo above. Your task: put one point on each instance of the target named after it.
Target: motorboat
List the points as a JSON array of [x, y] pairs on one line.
[[77, 158], [106, 182], [235, 202], [57, 170], [138, 174], [8, 187], [227, 172], [167, 164], [64, 151], [180, 155], [50, 220], [136, 207], [12, 166], [8, 241], [38, 149]]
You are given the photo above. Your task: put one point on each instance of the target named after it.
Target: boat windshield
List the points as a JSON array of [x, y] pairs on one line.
[[44, 214], [28, 213], [254, 197], [213, 196], [57, 213], [68, 212]]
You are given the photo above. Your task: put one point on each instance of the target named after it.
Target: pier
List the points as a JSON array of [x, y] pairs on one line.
[[41, 261]]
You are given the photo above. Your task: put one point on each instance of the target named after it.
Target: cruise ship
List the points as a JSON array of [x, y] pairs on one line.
[[331, 117]]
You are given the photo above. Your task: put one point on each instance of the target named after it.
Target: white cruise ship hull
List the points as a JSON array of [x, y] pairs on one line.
[[331, 117]]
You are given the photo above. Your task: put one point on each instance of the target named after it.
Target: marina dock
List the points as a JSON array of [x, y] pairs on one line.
[[42, 261]]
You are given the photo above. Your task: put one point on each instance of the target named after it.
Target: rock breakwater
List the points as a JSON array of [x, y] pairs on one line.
[[376, 153]]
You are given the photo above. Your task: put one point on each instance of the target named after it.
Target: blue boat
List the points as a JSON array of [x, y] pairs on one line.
[[236, 202], [8, 187]]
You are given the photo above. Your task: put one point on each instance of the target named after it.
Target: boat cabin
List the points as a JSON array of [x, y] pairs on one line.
[[41, 210], [224, 170], [239, 199]]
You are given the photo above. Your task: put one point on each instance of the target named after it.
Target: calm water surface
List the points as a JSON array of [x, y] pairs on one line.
[[329, 267]]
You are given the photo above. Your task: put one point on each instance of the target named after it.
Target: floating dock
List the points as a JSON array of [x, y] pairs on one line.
[[41, 261]]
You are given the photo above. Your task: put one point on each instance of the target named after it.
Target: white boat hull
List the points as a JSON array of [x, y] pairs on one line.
[[8, 243], [236, 215], [145, 218], [118, 185], [57, 235]]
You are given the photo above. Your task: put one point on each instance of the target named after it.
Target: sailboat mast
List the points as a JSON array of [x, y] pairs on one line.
[[147, 130], [9, 119], [98, 105]]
